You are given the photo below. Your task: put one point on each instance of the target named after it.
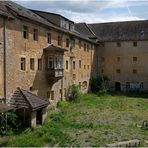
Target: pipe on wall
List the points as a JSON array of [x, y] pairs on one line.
[[4, 57]]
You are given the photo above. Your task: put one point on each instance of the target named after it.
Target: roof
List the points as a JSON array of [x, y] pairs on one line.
[[84, 29], [25, 99], [9, 8], [121, 31], [53, 47], [51, 17], [14, 9], [5, 108]]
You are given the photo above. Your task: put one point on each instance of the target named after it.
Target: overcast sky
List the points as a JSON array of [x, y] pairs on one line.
[[93, 11]]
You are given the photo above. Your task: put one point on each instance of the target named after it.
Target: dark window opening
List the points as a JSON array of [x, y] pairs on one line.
[[25, 32], [74, 65], [39, 64], [49, 38], [118, 44], [23, 64], [67, 42], [59, 41], [35, 35], [66, 64], [134, 44], [32, 64]]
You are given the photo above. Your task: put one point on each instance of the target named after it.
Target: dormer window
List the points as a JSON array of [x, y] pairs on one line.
[[69, 26]]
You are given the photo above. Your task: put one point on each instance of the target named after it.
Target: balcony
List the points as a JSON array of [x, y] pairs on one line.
[[55, 73]]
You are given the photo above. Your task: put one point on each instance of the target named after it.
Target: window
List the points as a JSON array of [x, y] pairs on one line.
[[73, 43], [66, 64], [80, 44], [32, 64], [134, 59], [127, 86], [84, 67], [74, 76], [59, 41], [141, 85], [35, 35], [49, 38], [74, 65], [118, 44], [23, 64], [69, 26], [25, 32], [102, 70], [59, 62], [88, 67], [87, 47], [134, 71], [50, 62], [39, 64], [118, 59], [102, 59], [84, 47], [134, 44], [79, 63], [67, 42], [65, 92], [118, 71]]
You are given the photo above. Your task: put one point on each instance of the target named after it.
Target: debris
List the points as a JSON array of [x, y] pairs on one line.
[[130, 143], [145, 124]]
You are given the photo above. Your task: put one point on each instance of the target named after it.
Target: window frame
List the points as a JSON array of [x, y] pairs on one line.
[[32, 64], [35, 34], [23, 64]]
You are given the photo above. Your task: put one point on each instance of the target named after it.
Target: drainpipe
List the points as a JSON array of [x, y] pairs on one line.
[[4, 56]]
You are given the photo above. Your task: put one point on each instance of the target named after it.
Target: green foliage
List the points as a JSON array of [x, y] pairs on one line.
[[94, 122], [9, 121], [74, 93], [99, 84]]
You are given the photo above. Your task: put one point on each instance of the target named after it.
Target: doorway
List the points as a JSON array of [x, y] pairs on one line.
[[39, 117], [117, 86]]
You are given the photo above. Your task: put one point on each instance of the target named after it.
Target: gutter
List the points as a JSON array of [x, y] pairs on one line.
[[4, 57]]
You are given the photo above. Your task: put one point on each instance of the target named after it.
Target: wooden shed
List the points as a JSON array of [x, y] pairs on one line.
[[31, 108]]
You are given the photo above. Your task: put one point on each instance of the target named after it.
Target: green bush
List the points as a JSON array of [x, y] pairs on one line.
[[9, 121], [100, 84], [74, 93]]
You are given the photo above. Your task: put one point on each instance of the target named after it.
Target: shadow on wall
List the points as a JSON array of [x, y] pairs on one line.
[[95, 64], [42, 83]]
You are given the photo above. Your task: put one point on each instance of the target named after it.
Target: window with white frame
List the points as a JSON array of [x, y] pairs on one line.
[[50, 62]]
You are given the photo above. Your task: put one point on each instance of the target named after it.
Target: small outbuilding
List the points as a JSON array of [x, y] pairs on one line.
[[30, 108]]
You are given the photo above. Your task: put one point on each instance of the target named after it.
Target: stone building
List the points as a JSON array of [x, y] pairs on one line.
[[42, 56], [44, 53]]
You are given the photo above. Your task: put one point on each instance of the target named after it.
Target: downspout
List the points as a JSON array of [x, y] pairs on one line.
[[4, 57]]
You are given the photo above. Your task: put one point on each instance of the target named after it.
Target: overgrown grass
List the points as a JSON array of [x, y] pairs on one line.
[[95, 121]]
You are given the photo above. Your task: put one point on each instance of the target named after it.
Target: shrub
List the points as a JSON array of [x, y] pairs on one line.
[[74, 93], [100, 84], [11, 123]]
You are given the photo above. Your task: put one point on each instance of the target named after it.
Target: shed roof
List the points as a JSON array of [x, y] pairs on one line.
[[25, 99], [121, 31], [5, 108]]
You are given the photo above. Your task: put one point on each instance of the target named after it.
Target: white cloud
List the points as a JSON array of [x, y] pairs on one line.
[[90, 11]]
